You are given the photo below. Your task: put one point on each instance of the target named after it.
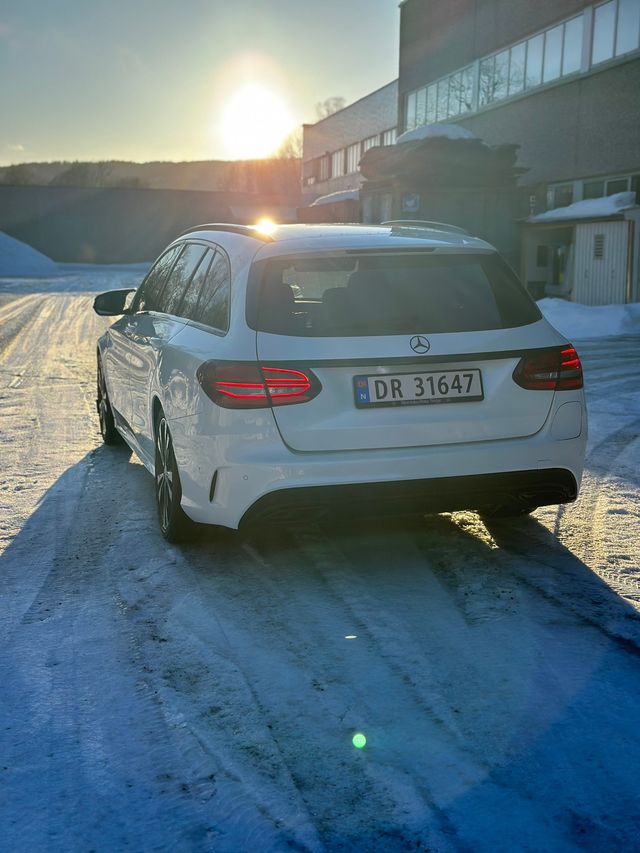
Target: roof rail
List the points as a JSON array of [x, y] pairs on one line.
[[424, 223], [246, 230]]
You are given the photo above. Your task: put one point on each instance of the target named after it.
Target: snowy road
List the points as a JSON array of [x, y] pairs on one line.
[[204, 698]]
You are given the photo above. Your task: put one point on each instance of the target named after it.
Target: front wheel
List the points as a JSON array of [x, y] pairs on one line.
[[174, 524]]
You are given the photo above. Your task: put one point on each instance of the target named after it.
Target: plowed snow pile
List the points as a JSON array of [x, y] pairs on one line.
[[591, 321], [19, 259]]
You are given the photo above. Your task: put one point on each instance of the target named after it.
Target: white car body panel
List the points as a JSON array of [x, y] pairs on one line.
[[330, 422]]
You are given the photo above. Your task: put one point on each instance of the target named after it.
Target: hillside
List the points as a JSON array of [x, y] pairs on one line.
[[272, 175]]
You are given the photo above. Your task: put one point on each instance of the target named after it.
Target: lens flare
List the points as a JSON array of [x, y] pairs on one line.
[[359, 740]]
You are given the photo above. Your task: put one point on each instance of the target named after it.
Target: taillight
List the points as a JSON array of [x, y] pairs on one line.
[[247, 385], [556, 369]]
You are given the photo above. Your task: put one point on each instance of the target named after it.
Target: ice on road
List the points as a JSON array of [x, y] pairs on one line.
[[205, 698]]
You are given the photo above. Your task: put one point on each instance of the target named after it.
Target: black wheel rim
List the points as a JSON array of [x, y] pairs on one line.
[[103, 402], [164, 473]]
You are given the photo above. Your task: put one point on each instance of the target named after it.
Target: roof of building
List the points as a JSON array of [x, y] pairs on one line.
[[589, 208]]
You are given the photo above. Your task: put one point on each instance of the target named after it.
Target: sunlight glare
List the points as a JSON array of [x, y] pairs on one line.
[[266, 225], [255, 121]]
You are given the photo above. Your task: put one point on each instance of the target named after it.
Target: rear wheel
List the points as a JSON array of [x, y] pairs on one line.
[[174, 524], [108, 431]]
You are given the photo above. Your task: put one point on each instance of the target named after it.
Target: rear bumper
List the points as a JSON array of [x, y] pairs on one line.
[[268, 479], [439, 494]]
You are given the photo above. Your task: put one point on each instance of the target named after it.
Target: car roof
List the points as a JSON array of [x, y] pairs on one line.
[[283, 239]]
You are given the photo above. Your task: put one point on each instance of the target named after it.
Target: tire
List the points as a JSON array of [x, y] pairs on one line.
[[175, 525], [108, 431]]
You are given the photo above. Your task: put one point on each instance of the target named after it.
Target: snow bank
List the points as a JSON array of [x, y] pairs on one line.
[[591, 321], [589, 208], [341, 195], [433, 131], [20, 260]]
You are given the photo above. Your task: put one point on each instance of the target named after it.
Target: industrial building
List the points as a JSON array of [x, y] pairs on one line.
[[558, 81]]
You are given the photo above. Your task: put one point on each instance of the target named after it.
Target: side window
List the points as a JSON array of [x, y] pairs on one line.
[[213, 306], [191, 295], [179, 278], [147, 294]]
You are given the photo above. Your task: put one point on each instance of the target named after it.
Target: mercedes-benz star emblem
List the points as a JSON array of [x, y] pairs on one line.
[[419, 344]]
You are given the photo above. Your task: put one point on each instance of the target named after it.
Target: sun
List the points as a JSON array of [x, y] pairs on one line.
[[255, 121]]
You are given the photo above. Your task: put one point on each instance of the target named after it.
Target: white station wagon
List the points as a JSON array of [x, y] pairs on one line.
[[385, 369]]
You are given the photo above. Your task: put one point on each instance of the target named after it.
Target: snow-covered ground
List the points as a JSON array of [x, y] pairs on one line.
[[204, 698]]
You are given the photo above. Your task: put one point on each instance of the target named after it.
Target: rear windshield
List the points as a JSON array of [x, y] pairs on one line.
[[386, 295]]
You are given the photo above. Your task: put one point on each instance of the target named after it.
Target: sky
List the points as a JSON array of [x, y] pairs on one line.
[[180, 79]]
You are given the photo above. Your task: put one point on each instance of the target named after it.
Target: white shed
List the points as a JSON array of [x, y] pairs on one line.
[[588, 252]]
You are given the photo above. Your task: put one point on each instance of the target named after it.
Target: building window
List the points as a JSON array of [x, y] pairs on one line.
[[535, 47], [337, 163], [605, 186], [323, 168], [371, 142], [616, 29], [562, 195], [542, 58], [552, 54], [410, 117], [593, 189], [517, 60], [604, 25], [628, 28], [421, 107], [572, 46], [353, 158], [617, 185], [389, 137], [432, 100]]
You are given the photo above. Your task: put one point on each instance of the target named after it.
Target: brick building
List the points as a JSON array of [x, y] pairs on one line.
[[332, 147]]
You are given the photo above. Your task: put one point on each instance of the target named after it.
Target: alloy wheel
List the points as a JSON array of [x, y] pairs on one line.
[[164, 473], [103, 403]]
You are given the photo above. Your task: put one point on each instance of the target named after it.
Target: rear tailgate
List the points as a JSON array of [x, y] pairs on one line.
[[339, 419], [411, 349]]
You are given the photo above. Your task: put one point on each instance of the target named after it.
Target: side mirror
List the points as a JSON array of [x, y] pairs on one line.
[[113, 302]]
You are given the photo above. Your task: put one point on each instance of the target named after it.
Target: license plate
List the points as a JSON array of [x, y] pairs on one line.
[[414, 389]]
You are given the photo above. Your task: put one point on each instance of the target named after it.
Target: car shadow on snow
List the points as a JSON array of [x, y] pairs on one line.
[[475, 670]]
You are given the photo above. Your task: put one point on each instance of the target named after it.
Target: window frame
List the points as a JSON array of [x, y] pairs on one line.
[[135, 302], [353, 154], [198, 324], [334, 156], [185, 248]]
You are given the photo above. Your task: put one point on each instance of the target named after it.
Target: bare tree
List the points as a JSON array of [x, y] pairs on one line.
[[330, 106], [291, 147]]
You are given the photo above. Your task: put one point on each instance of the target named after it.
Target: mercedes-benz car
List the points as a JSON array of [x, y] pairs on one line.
[[399, 368]]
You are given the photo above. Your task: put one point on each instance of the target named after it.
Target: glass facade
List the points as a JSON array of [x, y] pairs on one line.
[[616, 29], [562, 195], [544, 57]]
